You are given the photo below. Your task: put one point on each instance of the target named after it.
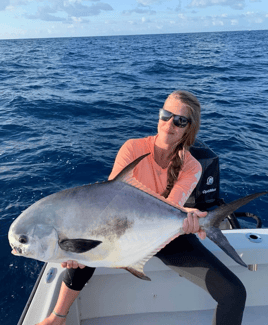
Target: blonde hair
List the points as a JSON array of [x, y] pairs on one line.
[[187, 139]]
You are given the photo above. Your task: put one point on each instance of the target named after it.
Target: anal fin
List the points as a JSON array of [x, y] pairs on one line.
[[137, 270], [137, 273]]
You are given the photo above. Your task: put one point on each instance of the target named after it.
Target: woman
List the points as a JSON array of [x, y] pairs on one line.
[[171, 171]]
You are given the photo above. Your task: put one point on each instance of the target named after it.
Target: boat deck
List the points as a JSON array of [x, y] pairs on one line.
[[114, 296], [252, 315]]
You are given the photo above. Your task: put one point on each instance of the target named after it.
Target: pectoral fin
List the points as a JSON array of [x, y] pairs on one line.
[[78, 245]]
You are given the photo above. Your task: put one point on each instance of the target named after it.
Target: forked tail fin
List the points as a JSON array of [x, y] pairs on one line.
[[215, 217]]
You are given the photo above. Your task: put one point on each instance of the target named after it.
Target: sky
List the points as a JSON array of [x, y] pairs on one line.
[[77, 18]]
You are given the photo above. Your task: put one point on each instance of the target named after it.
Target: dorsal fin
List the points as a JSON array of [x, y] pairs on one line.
[[126, 176], [127, 172]]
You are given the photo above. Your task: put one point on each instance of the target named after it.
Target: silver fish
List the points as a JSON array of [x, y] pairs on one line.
[[116, 224]]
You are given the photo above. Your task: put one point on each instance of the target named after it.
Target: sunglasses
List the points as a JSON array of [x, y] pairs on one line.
[[178, 120]]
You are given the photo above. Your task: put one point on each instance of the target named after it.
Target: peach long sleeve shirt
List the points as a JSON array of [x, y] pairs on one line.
[[154, 177]]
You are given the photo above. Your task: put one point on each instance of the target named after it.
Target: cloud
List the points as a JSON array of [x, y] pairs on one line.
[[148, 2], [7, 32], [79, 10], [64, 10], [4, 4], [182, 16], [19, 2], [139, 11], [217, 23], [235, 4], [75, 20], [253, 17], [178, 8], [44, 13], [234, 22]]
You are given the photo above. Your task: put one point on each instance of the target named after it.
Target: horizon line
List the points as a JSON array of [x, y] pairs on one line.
[[128, 35]]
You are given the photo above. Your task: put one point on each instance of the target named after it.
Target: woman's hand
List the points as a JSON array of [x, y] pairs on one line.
[[191, 223], [72, 265]]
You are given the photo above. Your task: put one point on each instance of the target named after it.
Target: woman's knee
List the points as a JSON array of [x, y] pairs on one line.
[[234, 294], [76, 279], [225, 287], [239, 293]]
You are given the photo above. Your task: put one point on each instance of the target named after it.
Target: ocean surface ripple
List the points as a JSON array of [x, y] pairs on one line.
[[67, 105]]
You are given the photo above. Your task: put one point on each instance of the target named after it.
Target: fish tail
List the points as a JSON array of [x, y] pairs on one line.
[[214, 219]]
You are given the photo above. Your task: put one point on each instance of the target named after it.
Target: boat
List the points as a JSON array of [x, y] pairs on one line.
[[114, 296]]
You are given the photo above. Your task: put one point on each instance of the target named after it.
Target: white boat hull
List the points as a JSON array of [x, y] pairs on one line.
[[117, 297]]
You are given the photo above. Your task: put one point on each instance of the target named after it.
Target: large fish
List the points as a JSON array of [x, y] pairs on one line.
[[116, 224]]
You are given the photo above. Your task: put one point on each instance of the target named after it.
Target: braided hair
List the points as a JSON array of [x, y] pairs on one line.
[[187, 139]]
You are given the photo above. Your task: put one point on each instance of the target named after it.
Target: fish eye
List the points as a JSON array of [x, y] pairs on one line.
[[23, 239]]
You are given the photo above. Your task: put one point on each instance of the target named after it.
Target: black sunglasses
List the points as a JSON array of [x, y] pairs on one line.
[[178, 120]]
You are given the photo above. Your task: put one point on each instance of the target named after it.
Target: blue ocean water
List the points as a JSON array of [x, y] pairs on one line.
[[67, 105]]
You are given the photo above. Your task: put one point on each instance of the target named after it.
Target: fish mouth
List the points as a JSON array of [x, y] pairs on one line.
[[16, 250]]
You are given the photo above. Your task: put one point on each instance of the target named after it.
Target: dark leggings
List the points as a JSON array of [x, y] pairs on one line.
[[190, 259]]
